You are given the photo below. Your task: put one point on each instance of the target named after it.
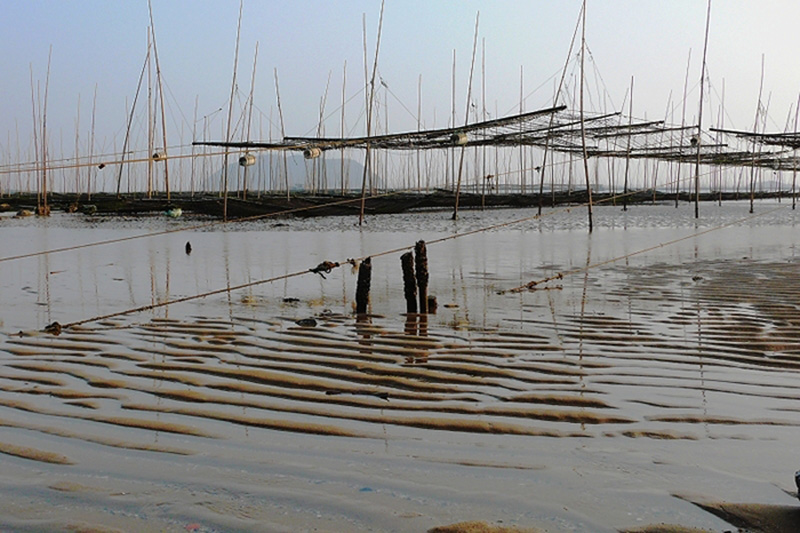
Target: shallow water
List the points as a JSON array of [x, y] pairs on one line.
[[668, 367]]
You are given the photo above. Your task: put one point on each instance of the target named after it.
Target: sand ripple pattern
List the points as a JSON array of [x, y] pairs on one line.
[[665, 352]]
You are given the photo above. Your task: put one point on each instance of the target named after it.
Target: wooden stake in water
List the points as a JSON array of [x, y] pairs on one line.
[[363, 285], [421, 263], [409, 282]]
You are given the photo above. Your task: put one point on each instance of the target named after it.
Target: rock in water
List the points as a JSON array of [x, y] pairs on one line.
[[306, 322]]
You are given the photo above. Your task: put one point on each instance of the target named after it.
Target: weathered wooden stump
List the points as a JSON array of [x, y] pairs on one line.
[[409, 282], [421, 263], [363, 285]]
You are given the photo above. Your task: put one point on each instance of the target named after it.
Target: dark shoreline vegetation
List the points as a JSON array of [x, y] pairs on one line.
[[319, 204]]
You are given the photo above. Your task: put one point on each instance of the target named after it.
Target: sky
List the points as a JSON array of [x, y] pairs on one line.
[[99, 47]]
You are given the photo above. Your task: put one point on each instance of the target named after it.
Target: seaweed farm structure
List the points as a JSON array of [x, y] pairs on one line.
[[501, 168]]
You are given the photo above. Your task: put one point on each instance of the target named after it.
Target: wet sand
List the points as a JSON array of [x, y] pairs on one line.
[[655, 391]]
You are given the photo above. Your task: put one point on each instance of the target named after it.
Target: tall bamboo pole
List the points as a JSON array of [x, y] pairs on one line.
[[700, 118], [45, 209], [230, 114], [161, 102], [755, 130], [583, 121], [341, 152], [794, 159], [250, 117], [466, 114], [369, 115], [553, 117], [628, 152], [91, 146], [283, 135], [683, 123], [130, 121]]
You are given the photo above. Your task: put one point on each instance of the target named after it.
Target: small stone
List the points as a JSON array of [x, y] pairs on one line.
[[306, 322]]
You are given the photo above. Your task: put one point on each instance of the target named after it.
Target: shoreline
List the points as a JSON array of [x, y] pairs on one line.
[[306, 205]]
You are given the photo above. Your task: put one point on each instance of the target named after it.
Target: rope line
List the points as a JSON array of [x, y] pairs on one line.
[[321, 206], [328, 266], [197, 226]]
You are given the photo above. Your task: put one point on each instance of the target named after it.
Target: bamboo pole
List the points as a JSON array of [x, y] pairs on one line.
[[370, 103], [683, 123], [466, 114], [250, 118], [230, 113], [45, 209], [91, 146], [794, 161], [700, 118], [150, 147], [130, 120], [628, 152], [161, 101], [583, 121], [283, 135], [341, 151], [755, 130]]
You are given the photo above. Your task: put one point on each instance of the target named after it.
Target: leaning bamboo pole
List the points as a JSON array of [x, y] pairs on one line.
[[583, 121], [230, 114], [283, 135], [466, 114], [342, 128], [794, 159], [755, 130], [370, 102], [44, 209], [700, 118], [91, 147], [130, 121], [683, 123], [628, 152], [250, 118], [161, 102]]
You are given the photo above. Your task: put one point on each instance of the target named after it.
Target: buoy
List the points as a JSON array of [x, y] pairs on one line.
[[247, 160], [459, 139], [158, 156], [312, 153]]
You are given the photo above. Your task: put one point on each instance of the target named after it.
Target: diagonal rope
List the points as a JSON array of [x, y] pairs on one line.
[[327, 266]]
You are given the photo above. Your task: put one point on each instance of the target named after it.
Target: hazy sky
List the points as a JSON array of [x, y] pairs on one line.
[[102, 44]]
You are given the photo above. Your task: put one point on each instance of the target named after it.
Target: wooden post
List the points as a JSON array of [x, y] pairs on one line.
[[409, 282], [421, 263], [362, 287]]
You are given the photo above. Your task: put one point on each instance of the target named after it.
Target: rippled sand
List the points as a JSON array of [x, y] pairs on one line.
[[652, 390]]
